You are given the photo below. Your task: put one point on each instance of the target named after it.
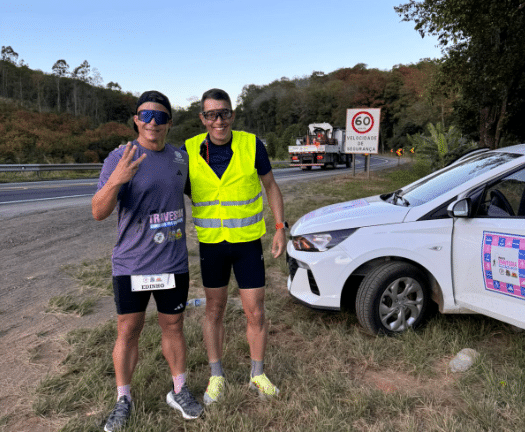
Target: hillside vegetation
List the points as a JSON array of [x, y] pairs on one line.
[[89, 121], [475, 93], [32, 137]]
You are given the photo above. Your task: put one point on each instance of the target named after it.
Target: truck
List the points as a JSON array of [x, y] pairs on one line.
[[322, 146]]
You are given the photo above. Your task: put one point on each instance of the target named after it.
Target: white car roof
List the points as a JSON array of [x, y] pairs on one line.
[[518, 149]]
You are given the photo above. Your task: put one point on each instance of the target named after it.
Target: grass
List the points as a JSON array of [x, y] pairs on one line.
[[33, 176], [332, 376], [70, 304], [95, 278]]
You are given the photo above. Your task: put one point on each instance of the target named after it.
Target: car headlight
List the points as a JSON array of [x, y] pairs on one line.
[[320, 242]]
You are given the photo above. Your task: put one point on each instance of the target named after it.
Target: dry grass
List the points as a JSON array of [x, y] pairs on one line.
[[33, 176], [332, 376]]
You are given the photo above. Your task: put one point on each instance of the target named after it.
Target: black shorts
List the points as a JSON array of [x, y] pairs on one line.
[[217, 260], [170, 301]]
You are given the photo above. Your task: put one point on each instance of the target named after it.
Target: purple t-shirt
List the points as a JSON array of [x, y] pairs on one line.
[[151, 213]]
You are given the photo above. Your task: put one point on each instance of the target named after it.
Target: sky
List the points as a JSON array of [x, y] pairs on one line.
[[183, 48]]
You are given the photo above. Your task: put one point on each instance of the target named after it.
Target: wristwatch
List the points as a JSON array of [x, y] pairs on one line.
[[281, 225]]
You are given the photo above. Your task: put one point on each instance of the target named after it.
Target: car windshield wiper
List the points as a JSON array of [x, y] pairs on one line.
[[397, 197]]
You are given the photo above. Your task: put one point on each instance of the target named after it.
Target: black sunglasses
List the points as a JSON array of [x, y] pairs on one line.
[[225, 114], [160, 116]]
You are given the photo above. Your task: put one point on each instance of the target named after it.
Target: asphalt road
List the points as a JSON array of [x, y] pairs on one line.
[[19, 198]]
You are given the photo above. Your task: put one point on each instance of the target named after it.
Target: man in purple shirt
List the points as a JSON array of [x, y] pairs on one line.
[[145, 182]]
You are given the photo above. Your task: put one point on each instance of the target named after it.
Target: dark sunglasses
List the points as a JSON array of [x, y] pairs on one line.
[[160, 116], [225, 114]]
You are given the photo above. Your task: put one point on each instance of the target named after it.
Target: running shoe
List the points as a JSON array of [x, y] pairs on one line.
[[185, 403], [120, 414], [264, 387], [214, 389]]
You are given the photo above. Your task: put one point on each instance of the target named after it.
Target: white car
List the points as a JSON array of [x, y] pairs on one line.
[[456, 237]]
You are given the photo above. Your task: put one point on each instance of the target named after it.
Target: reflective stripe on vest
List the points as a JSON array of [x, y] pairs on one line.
[[228, 223], [207, 203], [207, 223], [239, 223], [237, 203]]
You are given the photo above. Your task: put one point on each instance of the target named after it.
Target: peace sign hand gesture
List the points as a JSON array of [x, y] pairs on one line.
[[126, 167], [105, 200]]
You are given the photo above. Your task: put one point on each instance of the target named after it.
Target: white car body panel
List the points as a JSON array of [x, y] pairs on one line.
[[448, 249], [369, 211], [431, 250]]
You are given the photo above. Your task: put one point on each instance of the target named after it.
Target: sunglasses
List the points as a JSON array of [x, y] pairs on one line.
[[160, 116], [224, 114]]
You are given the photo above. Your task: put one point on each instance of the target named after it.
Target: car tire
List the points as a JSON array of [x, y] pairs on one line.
[[392, 298]]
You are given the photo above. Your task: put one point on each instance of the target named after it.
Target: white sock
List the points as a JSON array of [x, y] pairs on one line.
[[178, 382], [124, 390]]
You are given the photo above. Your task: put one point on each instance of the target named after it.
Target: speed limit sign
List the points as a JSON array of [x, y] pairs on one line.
[[362, 122], [362, 130]]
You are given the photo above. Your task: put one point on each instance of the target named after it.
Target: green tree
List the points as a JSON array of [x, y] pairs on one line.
[[60, 69], [271, 144], [483, 43], [113, 86], [186, 123], [440, 146], [288, 138], [9, 60], [80, 73], [9, 54]]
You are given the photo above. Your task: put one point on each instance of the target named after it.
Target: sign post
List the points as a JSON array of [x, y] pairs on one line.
[[362, 132]]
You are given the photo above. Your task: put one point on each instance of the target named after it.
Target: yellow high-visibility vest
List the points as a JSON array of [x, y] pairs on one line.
[[230, 208]]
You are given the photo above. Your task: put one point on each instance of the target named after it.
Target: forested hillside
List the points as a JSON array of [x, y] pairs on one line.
[[475, 93], [66, 116], [69, 117], [406, 95], [27, 136]]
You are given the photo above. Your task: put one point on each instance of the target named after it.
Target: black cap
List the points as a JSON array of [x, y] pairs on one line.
[[152, 96]]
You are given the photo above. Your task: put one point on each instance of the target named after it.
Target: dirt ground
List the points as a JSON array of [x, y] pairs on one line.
[[35, 243]]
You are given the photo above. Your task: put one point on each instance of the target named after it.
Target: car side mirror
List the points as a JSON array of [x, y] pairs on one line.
[[460, 208]]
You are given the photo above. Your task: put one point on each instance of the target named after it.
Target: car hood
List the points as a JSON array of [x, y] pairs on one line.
[[351, 214]]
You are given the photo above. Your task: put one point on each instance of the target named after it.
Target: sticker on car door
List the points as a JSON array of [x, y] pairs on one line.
[[503, 258]]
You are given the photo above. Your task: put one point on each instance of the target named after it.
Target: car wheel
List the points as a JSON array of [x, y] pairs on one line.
[[392, 298]]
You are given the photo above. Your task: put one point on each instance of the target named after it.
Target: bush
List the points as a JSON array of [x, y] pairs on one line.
[[441, 146]]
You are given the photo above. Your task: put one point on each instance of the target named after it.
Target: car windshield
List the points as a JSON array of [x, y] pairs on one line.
[[456, 174]]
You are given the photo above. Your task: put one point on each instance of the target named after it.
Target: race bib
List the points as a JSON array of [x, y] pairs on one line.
[[152, 282]]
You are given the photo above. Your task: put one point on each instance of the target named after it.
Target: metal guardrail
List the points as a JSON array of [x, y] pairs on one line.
[[48, 167], [61, 167]]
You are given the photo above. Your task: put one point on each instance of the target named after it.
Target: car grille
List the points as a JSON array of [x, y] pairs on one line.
[[293, 266], [313, 284]]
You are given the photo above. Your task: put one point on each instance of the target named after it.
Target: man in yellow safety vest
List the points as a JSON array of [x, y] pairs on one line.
[[226, 169]]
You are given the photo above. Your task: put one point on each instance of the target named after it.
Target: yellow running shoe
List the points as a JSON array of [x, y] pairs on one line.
[[214, 389], [264, 387]]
